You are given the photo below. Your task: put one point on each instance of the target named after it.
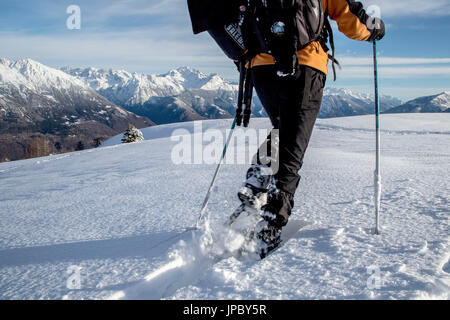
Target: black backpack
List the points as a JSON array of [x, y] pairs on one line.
[[244, 28]]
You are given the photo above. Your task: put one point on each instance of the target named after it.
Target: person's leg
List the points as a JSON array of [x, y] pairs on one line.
[[299, 105], [299, 100], [266, 85], [253, 193], [293, 105]]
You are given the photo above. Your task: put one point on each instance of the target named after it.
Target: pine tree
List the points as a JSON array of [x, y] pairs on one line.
[[80, 146], [97, 142], [132, 134]]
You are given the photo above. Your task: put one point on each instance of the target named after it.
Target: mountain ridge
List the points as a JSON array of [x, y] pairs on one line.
[[69, 105], [144, 94], [429, 104], [37, 101]]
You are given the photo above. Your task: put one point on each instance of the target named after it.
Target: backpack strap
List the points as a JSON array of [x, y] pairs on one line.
[[331, 37]]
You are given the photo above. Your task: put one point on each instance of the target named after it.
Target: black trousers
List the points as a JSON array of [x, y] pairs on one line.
[[293, 105]]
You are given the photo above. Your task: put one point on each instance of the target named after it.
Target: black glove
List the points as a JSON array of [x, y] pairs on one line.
[[286, 65], [285, 55], [377, 29]]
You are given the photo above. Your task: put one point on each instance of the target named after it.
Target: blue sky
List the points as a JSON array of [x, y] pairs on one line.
[[154, 36]]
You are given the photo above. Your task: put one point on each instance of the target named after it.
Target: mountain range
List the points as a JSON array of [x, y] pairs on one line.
[[71, 108], [186, 94], [39, 102]]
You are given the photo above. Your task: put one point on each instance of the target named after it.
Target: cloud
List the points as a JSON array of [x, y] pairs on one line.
[[364, 72], [152, 50], [395, 67], [172, 10], [402, 8], [356, 61]]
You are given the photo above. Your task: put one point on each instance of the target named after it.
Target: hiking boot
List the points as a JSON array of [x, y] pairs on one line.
[[275, 216], [278, 208], [253, 194]]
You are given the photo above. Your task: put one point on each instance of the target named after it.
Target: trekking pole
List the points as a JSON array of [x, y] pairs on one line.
[[237, 121], [378, 139], [242, 76], [248, 95], [213, 182]]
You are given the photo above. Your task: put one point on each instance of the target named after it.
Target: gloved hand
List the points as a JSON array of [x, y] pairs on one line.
[[285, 56], [377, 29], [286, 65]]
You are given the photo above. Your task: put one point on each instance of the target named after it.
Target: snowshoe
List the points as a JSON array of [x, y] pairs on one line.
[[268, 237], [275, 216]]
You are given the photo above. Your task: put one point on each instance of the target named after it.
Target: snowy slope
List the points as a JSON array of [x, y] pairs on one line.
[[119, 213]]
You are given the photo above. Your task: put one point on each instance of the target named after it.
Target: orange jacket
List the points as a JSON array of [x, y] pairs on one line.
[[347, 14]]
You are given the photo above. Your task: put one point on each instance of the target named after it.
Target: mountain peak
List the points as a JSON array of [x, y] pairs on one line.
[[28, 62], [186, 73], [28, 74], [4, 61], [429, 104], [185, 69]]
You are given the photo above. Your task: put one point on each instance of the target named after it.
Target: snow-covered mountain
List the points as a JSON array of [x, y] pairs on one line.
[[429, 104], [38, 99], [184, 94], [130, 89], [187, 94], [90, 103], [339, 102]]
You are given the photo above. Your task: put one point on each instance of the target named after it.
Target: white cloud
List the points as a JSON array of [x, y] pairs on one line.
[[168, 8], [356, 61], [365, 72], [141, 51], [400, 92], [395, 67]]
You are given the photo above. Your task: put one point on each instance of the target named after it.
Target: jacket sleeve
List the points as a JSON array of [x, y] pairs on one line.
[[351, 18]]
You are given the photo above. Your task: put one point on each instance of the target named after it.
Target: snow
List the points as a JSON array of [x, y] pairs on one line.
[[396, 123], [120, 213]]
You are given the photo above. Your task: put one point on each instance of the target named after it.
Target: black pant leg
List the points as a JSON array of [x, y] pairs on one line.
[[300, 100], [266, 86], [293, 104]]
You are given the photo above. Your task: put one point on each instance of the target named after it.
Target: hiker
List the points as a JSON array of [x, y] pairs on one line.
[[284, 46], [293, 102]]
